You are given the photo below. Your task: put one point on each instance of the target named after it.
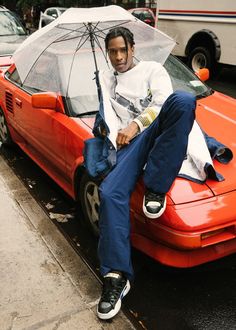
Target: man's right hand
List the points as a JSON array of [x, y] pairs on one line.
[[126, 134]]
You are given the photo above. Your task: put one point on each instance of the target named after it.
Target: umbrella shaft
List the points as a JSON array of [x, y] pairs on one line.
[[91, 37]]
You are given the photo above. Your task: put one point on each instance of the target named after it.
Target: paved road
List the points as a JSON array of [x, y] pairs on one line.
[[225, 81]]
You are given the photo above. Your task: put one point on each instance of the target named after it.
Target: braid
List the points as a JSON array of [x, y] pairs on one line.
[[123, 32]]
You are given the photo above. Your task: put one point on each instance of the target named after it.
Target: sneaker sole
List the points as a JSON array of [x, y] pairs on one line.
[[156, 215], [114, 311]]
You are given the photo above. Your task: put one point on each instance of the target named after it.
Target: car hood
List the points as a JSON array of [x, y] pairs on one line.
[[8, 44], [217, 117]]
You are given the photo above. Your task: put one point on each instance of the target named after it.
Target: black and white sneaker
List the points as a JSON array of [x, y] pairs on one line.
[[154, 204], [115, 287]]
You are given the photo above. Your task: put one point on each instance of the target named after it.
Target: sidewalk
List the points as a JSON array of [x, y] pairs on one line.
[[44, 283]]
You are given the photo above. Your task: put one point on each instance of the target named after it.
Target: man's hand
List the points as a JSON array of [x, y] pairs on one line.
[[126, 134]]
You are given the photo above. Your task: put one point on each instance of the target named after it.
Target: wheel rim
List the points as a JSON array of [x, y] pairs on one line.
[[92, 203], [3, 128], [199, 61]]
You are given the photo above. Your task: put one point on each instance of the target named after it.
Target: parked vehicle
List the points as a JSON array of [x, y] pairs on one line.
[[49, 15], [51, 113], [204, 30], [144, 14], [12, 32]]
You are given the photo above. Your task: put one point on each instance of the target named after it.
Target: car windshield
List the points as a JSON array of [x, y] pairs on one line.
[[84, 98], [184, 79], [80, 82], [9, 25]]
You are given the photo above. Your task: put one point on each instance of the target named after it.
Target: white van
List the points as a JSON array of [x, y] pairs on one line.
[[205, 30]]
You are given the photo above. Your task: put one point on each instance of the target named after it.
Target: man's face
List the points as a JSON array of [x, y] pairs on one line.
[[121, 59]]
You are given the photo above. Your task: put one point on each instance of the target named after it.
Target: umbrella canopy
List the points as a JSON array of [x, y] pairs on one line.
[[53, 57]]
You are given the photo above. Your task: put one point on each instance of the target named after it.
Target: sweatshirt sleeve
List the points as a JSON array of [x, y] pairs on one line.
[[160, 87]]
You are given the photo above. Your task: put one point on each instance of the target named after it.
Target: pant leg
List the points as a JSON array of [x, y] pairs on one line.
[[168, 152], [115, 191], [114, 217]]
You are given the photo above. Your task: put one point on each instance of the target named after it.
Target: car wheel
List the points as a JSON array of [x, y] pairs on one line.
[[90, 202], [199, 58], [5, 137]]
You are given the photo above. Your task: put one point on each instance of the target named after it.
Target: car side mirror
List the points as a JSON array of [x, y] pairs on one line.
[[47, 100], [203, 74]]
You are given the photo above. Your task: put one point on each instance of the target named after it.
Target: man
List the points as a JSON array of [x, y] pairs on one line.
[[153, 127]]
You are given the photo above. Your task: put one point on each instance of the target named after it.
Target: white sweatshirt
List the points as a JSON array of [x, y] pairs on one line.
[[139, 93]]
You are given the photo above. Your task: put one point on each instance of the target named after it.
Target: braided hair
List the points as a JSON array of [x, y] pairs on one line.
[[123, 32]]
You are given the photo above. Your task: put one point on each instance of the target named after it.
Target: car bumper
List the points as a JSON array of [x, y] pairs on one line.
[[182, 259], [189, 234]]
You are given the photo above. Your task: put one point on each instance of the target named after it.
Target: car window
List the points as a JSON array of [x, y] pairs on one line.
[[148, 15], [44, 76], [61, 11], [183, 78], [9, 25], [51, 12], [136, 14], [14, 77], [142, 15]]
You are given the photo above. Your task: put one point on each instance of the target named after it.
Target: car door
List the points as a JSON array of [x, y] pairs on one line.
[[41, 129]]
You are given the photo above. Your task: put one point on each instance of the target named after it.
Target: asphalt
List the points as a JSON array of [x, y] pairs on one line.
[[44, 284]]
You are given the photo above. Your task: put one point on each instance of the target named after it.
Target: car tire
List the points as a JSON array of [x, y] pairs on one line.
[[5, 137], [201, 57], [90, 202]]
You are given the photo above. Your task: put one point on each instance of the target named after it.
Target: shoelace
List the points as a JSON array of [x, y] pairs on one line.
[[111, 291], [150, 196]]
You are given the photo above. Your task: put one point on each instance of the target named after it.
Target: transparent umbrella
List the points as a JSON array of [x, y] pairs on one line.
[[72, 46]]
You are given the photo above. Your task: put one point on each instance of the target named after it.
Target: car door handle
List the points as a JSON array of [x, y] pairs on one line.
[[18, 102]]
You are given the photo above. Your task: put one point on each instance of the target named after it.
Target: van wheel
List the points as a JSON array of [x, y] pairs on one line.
[[5, 137], [90, 202], [199, 58]]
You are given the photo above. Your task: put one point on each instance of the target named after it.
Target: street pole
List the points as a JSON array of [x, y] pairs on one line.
[[157, 13]]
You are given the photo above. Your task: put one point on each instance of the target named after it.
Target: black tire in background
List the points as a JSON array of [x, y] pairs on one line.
[[5, 137], [89, 201], [201, 57]]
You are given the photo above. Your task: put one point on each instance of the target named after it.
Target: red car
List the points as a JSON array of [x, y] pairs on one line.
[[144, 14], [199, 224]]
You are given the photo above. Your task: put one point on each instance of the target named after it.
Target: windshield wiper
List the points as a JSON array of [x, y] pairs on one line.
[[88, 113]]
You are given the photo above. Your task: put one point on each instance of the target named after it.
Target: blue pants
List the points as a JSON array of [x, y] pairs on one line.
[[162, 147]]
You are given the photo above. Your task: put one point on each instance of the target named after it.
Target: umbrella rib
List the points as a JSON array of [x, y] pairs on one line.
[[72, 62], [79, 44], [108, 28], [99, 45], [63, 38], [55, 41], [95, 27], [68, 29]]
